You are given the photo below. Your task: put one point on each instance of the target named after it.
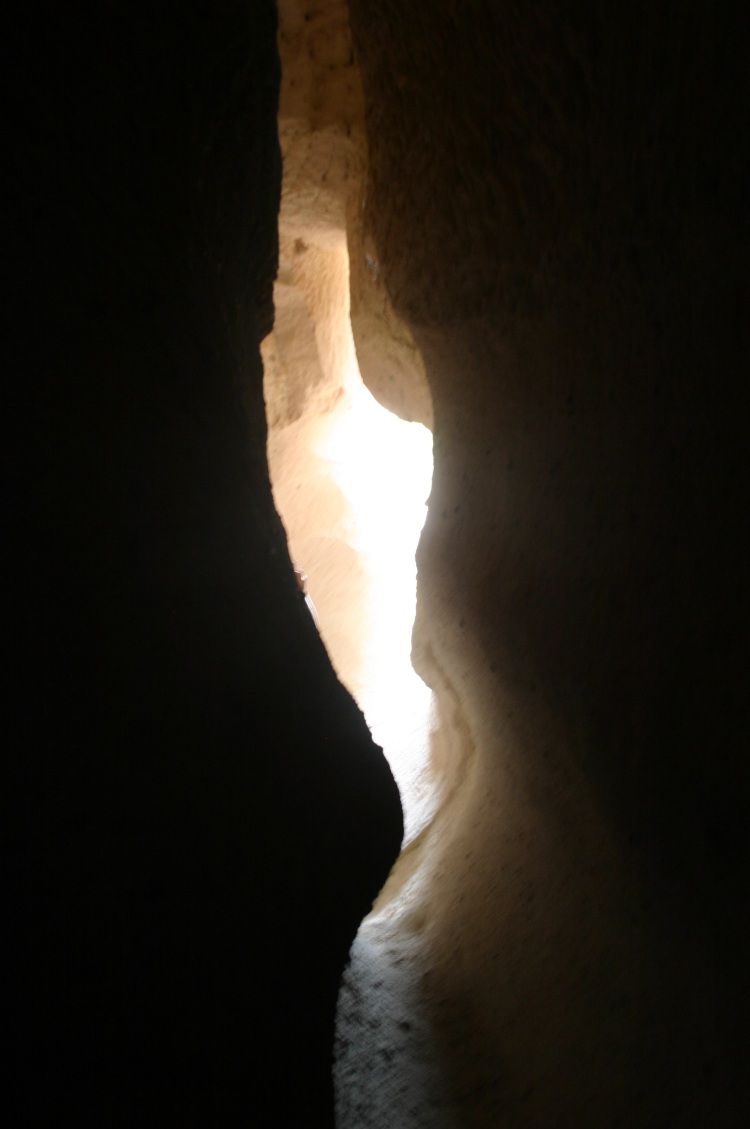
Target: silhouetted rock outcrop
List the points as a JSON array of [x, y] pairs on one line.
[[199, 816]]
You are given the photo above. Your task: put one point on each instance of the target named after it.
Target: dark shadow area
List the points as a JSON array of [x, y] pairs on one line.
[[197, 816]]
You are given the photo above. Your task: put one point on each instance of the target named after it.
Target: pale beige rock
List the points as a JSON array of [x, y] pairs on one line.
[[324, 153], [350, 480]]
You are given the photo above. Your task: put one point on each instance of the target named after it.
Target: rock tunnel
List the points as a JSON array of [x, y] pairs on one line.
[[530, 221]]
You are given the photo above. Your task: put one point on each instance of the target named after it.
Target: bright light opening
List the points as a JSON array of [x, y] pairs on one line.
[[351, 482]]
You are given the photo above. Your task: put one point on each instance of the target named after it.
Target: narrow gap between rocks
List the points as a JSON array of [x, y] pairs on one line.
[[350, 482]]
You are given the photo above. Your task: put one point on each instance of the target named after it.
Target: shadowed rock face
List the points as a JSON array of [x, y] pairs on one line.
[[555, 203], [199, 816]]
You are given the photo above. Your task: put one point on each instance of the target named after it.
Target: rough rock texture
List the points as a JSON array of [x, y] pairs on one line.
[[556, 199], [324, 151], [198, 818]]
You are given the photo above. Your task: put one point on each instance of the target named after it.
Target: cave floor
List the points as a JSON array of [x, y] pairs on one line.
[[387, 1072]]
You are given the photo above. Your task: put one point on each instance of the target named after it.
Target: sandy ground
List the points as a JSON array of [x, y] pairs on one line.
[[386, 1072]]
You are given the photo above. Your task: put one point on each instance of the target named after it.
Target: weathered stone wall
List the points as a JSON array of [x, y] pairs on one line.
[[324, 152], [555, 197], [198, 818]]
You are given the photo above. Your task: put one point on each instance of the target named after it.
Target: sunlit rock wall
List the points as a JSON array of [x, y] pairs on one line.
[[322, 253], [554, 201], [333, 324], [197, 818]]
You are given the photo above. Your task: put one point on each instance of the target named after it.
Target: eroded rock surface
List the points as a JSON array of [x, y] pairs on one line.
[[555, 202], [324, 151]]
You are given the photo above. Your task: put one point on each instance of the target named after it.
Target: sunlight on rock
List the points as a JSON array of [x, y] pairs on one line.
[[351, 486]]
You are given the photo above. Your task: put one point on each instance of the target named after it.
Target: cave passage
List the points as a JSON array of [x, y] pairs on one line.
[[351, 481]]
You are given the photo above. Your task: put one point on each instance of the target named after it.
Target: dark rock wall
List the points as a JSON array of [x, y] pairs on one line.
[[557, 201], [197, 817]]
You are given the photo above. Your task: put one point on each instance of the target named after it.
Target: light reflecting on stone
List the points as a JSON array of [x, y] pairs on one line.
[[383, 467], [351, 486]]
